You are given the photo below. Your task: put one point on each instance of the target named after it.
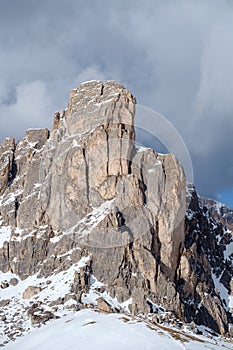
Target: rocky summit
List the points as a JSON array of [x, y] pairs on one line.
[[89, 219]]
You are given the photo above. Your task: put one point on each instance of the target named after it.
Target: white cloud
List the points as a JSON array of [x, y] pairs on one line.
[[4, 91], [30, 108], [89, 73], [216, 81]]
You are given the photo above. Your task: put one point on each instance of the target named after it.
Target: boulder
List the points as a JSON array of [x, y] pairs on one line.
[[4, 284], [103, 305], [14, 281], [31, 291], [4, 302]]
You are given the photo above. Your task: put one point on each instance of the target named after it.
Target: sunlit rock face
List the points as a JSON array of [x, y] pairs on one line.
[[85, 189]]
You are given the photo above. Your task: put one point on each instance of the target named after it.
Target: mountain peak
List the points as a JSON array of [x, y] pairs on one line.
[[84, 208]]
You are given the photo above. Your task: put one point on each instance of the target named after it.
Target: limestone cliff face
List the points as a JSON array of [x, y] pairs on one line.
[[86, 189], [6, 162]]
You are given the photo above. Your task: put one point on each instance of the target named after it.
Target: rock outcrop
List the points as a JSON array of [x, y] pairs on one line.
[[206, 267], [220, 212], [6, 162], [85, 189]]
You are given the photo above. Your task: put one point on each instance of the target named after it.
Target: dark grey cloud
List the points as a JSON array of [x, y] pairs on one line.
[[176, 56]]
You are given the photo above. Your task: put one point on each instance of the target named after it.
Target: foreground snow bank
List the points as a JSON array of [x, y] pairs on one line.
[[91, 330], [88, 330]]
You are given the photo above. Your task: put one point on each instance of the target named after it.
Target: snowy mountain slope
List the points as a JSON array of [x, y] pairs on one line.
[[88, 330], [221, 216], [209, 225], [219, 211], [28, 303]]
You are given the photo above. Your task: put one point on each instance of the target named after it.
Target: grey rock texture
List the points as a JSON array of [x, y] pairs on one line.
[[85, 189], [6, 162]]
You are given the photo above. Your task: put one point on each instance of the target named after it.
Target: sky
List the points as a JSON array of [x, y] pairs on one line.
[[175, 56]]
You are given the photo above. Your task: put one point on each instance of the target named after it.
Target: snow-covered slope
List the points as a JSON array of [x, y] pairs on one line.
[[90, 330]]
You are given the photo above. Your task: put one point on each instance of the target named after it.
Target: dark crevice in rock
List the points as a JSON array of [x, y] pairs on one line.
[[164, 171], [87, 174], [142, 185], [181, 249], [17, 204], [108, 160], [130, 167], [102, 90], [155, 247], [13, 171], [120, 219]]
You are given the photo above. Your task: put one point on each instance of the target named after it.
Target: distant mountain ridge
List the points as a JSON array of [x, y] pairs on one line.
[[219, 211]]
